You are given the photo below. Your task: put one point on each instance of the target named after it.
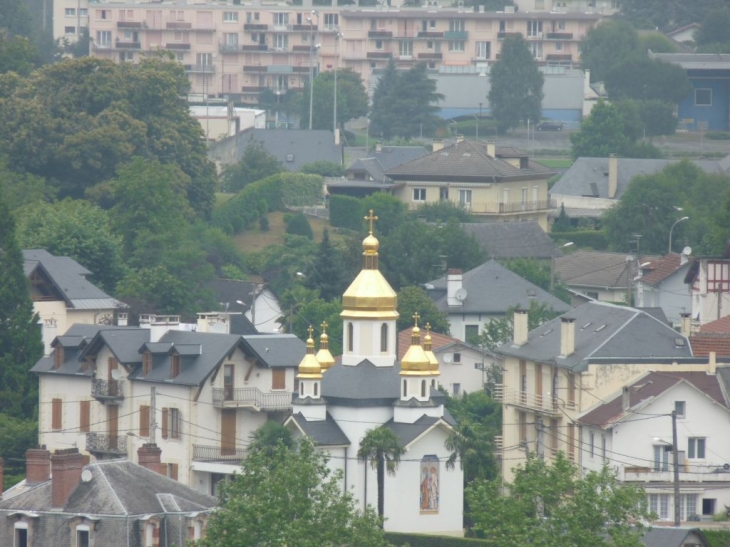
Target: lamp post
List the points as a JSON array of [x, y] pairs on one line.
[[337, 66], [311, 63], [672, 229], [552, 263]]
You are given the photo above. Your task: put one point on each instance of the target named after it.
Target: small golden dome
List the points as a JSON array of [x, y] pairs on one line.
[[324, 356], [429, 352], [370, 244], [415, 362], [309, 367]]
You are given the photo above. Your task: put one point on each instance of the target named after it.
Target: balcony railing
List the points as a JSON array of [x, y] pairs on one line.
[[530, 401], [255, 47], [206, 453], [498, 208], [127, 45], [559, 35], [430, 56], [107, 390], [502, 34], [380, 34], [179, 25], [456, 35], [429, 35], [687, 473], [129, 24], [379, 55], [177, 46], [255, 26], [203, 69], [304, 28], [559, 57], [98, 443], [251, 397]]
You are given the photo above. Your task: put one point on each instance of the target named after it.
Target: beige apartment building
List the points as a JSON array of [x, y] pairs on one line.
[[236, 50]]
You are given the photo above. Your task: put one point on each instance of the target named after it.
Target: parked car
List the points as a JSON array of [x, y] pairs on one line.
[[550, 126]]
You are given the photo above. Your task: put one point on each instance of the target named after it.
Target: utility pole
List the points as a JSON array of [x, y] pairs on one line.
[[675, 461], [153, 415]]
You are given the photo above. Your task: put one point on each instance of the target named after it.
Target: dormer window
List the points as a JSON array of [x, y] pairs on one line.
[[175, 366], [58, 357], [147, 363]]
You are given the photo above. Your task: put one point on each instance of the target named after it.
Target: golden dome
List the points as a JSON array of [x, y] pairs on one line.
[[415, 362], [429, 352], [324, 356], [309, 367], [370, 244]]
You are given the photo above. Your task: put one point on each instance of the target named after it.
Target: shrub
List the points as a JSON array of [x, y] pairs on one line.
[[417, 540], [299, 225], [264, 223], [717, 538], [323, 168], [346, 212], [718, 135]]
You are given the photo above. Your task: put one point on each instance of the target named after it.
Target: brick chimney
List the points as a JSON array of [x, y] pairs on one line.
[[567, 336], [520, 328], [454, 278], [66, 466], [149, 455], [491, 149], [612, 175], [37, 465]]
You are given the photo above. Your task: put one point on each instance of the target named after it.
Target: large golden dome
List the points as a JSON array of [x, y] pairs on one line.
[[309, 367]]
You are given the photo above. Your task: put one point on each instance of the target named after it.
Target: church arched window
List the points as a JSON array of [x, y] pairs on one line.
[[316, 389], [423, 388], [350, 341], [405, 388], [384, 337]]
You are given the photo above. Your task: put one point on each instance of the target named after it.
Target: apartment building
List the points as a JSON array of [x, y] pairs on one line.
[[238, 50]]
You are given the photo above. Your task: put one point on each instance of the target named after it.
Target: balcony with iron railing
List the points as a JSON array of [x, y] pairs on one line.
[[530, 401], [429, 35], [456, 35], [201, 69], [130, 24], [107, 391], [559, 35], [501, 35], [380, 34], [120, 44], [430, 56], [251, 397], [256, 27], [179, 25], [100, 444], [379, 55], [212, 453]]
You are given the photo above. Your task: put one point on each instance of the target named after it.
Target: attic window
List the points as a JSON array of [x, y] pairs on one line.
[[599, 329], [58, 357], [679, 342], [290, 157], [547, 332], [444, 153], [466, 154], [532, 293], [586, 325], [175, 366], [146, 363]]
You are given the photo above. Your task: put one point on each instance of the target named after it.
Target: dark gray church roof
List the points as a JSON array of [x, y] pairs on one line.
[[407, 433], [323, 433], [361, 385]]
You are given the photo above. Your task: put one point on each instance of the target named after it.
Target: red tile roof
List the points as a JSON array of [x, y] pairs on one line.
[[703, 343], [721, 325], [437, 341], [661, 268]]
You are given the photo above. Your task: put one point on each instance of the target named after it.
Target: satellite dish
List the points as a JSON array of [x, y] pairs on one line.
[[687, 251], [86, 475], [460, 294], [116, 374], [448, 358]]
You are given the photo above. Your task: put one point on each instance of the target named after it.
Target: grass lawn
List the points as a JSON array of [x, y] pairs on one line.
[[256, 240], [555, 163], [221, 198]]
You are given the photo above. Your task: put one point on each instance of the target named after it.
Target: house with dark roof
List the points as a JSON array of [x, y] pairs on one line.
[[498, 184], [640, 450], [558, 371], [197, 394], [63, 296], [66, 502], [507, 240], [474, 298], [674, 537], [661, 285]]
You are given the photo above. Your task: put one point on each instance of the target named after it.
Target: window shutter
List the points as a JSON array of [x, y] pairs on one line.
[[144, 421], [56, 419], [164, 423], [173, 470], [278, 378], [84, 416]]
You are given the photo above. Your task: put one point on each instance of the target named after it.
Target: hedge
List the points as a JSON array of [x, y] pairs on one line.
[[346, 212], [717, 538], [418, 540], [273, 193], [594, 239]]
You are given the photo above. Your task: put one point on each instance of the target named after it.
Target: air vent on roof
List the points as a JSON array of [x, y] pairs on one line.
[[599, 329], [679, 342], [466, 154], [290, 157], [586, 325], [547, 332], [531, 293]]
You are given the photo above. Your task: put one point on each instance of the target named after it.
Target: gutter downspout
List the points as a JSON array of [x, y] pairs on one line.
[[344, 450]]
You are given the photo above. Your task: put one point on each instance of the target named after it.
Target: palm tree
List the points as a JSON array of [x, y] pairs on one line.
[[382, 447]]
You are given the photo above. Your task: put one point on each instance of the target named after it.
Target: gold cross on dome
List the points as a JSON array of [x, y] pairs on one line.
[[324, 327], [416, 317], [371, 218], [428, 328], [310, 330]]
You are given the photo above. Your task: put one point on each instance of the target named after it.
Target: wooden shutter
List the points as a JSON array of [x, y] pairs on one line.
[[571, 388], [144, 421], [112, 414], [84, 416], [56, 414], [165, 411], [172, 470], [228, 432], [278, 378]]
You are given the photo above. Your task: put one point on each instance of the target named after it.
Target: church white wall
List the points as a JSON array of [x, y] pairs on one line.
[[366, 342]]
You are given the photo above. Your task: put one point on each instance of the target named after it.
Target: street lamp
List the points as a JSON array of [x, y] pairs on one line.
[[311, 63], [552, 263], [672, 229], [337, 66]]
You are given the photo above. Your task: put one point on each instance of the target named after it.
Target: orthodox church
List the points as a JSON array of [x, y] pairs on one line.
[[339, 401]]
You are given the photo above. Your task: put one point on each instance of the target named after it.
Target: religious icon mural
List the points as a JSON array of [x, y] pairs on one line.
[[429, 484]]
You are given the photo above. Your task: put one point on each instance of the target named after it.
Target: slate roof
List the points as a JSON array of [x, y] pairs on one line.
[[673, 537], [293, 148], [69, 279], [228, 292], [512, 239], [493, 289], [74, 341], [585, 173], [117, 487], [465, 161], [705, 342], [438, 342], [661, 268], [407, 433], [378, 162], [595, 269], [649, 387], [696, 61], [323, 433], [656, 313], [275, 350], [603, 333]]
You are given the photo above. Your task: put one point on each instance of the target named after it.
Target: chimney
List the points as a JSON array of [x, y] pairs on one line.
[[438, 145], [712, 363], [159, 325], [520, 327], [612, 175], [686, 327], [491, 149], [66, 466], [567, 336], [453, 286], [149, 456], [587, 82], [459, 138], [37, 465], [378, 146], [122, 319], [683, 258], [625, 398]]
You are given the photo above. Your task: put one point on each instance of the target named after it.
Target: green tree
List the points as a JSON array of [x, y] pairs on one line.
[[537, 272], [641, 78], [382, 448], [551, 504], [715, 28], [443, 211], [325, 273], [290, 497], [657, 118], [323, 168], [415, 299], [381, 122], [17, 54], [600, 134], [76, 229], [605, 45], [500, 331], [657, 43], [299, 225], [666, 14], [22, 189], [516, 83], [269, 437], [16, 436], [352, 99], [255, 164], [20, 337]]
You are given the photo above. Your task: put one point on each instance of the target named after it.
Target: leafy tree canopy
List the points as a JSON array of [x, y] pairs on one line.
[[715, 28], [299, 225], [657, 43], [606, 44], [256, 164], [641, 78], [600, 134], [551, 504], [325, 273], [17, 54], [415, 299], [538, 273], [666, 14], [290, 497], [323, 168], [352, 99], [516, 85]]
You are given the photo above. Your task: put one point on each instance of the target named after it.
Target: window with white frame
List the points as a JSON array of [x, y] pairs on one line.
[[230, 17], [456, 25], [534, 29], [174, 423], [281, 19], [536, 48], [204, 59], [331, 21], [679, 408], [465, 198], [661, 457], [456, 45], [70, 12], [687, 506], [83, 12], [696, 448], [703, 97], [280, 42], [419, 194], [231, 39], [483, 50], [104, 38], [659, 505], [406, 48]]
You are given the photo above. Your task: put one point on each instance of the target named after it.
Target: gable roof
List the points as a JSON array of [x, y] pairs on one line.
[[293, 148], [74, 342], [595, 269], [466, 161], [512, 239], [407, 432], [704, 343], [493, 289], [651, 386], [438, 342], [604, 333], [323, 432], [721, 325], [587, 173], [389, 157], [662, 267], [117, 487], [69, 279], [674, 537], [228, 292], [275, 350]]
